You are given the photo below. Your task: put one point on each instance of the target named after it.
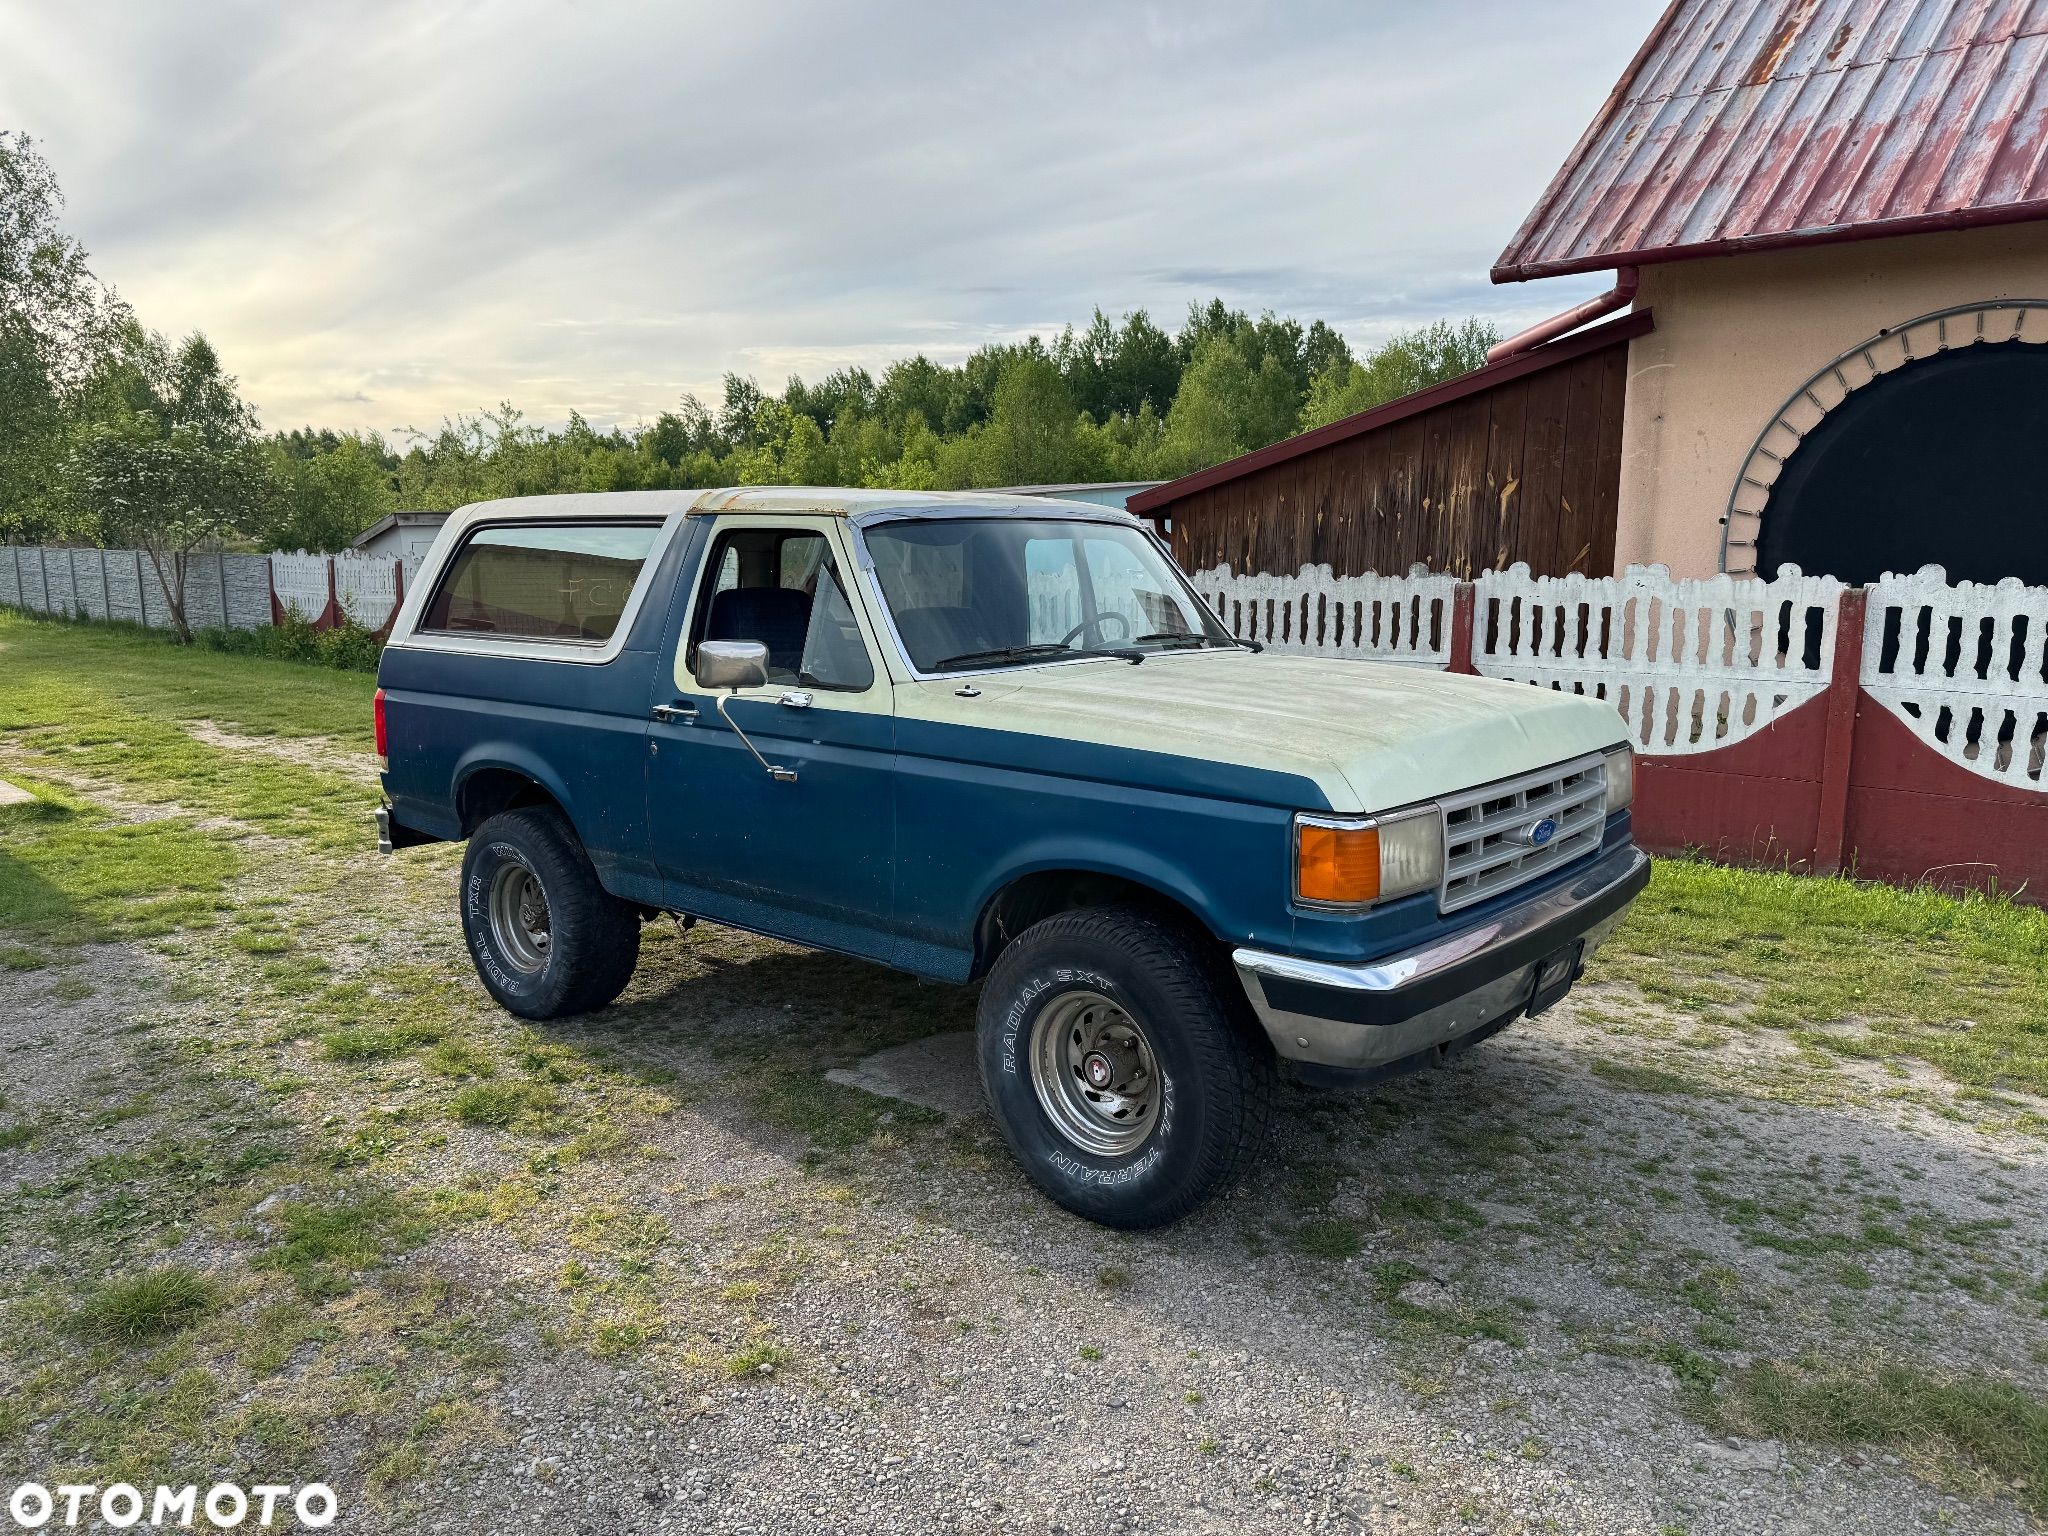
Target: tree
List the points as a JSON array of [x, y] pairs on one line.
[[55, 320], [1226, 405], [323, 500], [1030, 438], [1406, 362], [1116, 370], [171, 462]]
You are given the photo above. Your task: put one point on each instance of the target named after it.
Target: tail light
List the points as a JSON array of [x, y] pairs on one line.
[[383, 749]]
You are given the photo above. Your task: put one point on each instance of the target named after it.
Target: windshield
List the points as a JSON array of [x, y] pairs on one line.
[[977, 593]]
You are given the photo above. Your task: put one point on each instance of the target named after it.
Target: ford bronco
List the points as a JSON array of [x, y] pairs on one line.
[[1001, 740]]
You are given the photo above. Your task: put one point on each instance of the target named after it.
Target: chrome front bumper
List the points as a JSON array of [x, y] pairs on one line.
[[1361, 1018]]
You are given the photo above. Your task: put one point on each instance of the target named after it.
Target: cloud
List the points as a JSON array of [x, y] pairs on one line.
[[384, 214]]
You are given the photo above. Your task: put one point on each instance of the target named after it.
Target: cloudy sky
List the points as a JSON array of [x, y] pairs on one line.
[[383, 214]]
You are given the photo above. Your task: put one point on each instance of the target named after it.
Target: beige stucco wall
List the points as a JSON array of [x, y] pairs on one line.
[[1736, 335]]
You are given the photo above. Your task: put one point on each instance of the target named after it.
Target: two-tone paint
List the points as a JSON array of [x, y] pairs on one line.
[[920, 801]]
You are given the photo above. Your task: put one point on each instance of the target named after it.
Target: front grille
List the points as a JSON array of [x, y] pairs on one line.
[[1486, 847]]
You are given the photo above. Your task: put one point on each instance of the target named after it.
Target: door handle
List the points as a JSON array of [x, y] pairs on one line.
[[795, 700], [675, 714]]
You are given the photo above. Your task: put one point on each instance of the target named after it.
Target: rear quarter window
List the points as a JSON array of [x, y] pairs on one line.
[[547, 581]]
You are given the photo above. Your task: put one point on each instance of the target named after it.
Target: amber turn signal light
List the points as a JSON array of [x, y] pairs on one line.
[[1337, 865]]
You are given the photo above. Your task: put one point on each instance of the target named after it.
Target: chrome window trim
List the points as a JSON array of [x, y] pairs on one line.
[[407, 635], [724, 522], [857, 532]]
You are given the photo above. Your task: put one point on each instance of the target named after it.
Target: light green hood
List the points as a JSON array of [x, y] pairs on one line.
[[1372, 736]]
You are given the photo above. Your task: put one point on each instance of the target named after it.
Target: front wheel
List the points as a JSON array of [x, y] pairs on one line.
[[548, 940], [1121, 1072]]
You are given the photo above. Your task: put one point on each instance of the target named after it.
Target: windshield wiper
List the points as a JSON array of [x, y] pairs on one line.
[[1040, 652], [1174, 640]]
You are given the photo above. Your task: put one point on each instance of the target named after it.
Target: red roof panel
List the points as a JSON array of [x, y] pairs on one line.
[[1747, 124]]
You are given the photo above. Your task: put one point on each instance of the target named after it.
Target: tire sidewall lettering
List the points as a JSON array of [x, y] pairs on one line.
[[1011, 1079], [483, 868]]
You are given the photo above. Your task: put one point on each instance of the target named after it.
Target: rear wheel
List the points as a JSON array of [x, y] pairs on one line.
[[1120, 1067], [547, 939]]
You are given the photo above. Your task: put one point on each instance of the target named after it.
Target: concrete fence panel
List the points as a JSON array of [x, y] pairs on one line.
[[1403, 619]]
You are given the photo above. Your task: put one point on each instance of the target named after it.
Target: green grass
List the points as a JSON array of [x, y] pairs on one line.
[[1642, 1079], [140, 672], [497, 1105], [86, 701], [1329, 1238], [72, 873], [1959, 982], [361, 1042], [136, 1308], [323, 1243], [1988, 1423]]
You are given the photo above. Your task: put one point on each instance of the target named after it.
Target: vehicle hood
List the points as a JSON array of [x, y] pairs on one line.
[[1373, 736]]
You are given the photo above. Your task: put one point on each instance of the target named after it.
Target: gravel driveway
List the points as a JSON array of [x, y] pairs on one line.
[[651, 1271]]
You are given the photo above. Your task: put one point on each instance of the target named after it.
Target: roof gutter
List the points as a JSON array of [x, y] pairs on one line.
[[1620, 296]]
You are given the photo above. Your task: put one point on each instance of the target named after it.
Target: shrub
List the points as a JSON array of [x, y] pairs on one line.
[[348, 648]]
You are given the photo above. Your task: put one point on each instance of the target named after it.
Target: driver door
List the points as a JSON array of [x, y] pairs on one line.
[[810, 859]]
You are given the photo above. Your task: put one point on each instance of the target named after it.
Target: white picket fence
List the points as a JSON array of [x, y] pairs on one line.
[[1965, 666], [1405, 619]]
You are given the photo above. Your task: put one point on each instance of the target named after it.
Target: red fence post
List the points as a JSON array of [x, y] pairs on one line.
[[1464, 603], [1844, 694], [397, 596]]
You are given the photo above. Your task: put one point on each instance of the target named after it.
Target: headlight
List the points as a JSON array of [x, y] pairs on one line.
[[1354, 861], [1621, 777]]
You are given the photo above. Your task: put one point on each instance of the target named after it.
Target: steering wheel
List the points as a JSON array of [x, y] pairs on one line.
[[1093, 629]]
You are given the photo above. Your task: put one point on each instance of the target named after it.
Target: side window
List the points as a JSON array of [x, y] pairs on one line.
[[541, 581], [783, 589]]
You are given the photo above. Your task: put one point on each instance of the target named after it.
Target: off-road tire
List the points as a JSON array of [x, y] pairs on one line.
[[1216, 1071], [594, 941]]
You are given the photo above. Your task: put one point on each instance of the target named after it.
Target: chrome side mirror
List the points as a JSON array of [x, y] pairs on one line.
[[730, 664], [736, 664]]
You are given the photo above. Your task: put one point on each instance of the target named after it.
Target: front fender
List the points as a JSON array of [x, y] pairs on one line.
[[1101, 856]]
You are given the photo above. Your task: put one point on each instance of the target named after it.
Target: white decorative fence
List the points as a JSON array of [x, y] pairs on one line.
[[367, 588], [300, 583], [1403, 619], [1965, 667], [1691, 664]]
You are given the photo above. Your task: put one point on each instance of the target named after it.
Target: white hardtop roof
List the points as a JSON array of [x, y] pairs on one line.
[[860, 506]]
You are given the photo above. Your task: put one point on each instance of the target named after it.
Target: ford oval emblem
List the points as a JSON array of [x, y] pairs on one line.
[[1540, 833]]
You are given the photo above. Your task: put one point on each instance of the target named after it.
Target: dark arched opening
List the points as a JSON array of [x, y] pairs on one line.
[[1941, 461]]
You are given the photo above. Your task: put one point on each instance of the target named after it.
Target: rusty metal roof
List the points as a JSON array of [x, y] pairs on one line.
[[1750, 124]]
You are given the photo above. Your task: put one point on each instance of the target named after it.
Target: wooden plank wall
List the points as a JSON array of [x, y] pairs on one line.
[[1528, 470]]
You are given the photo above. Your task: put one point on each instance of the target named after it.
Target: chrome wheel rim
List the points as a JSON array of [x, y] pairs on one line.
[[1095, 1073], [519, 918]]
